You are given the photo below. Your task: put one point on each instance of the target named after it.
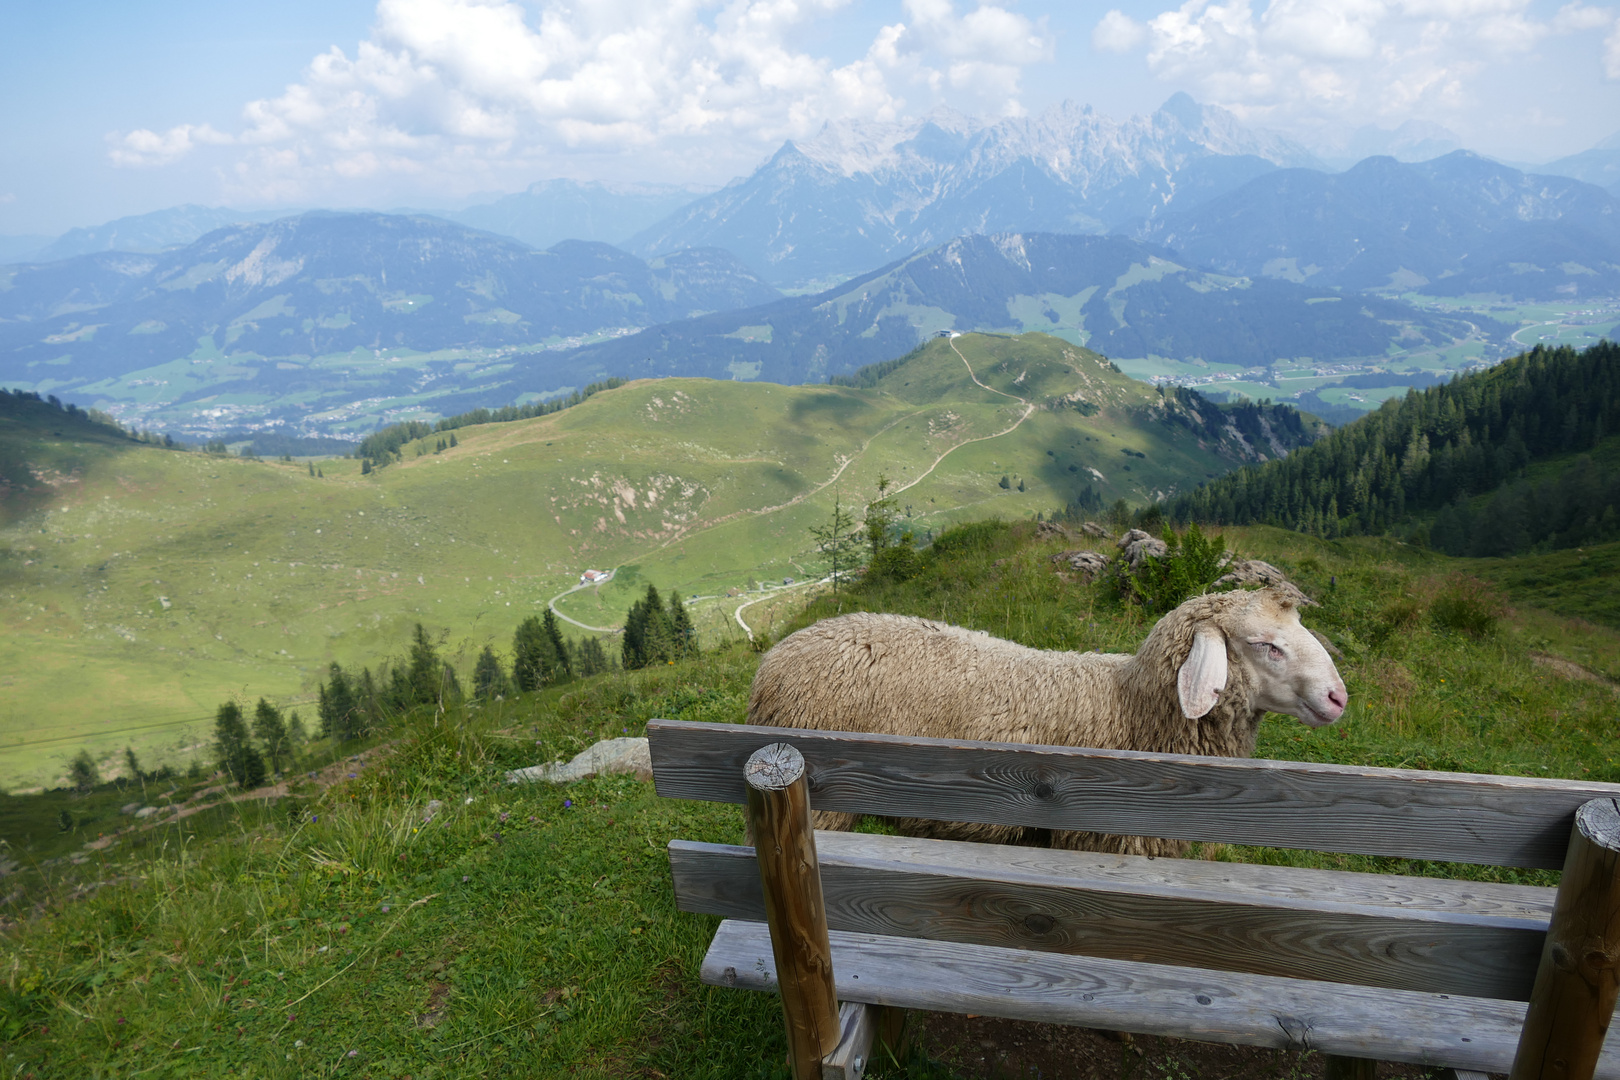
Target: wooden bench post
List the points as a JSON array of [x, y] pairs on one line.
[[1579, 977], [785, 847]]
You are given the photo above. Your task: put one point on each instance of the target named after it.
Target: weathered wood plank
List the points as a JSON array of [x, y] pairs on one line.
[[1164, 911], [1459, 817], [1251, 1010], [858, 1027]]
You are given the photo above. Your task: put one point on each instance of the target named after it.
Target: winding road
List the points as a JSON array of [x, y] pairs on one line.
[[1029, 410]]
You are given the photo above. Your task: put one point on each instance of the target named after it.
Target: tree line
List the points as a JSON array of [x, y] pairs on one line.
[[383, 446], [1434, 449]]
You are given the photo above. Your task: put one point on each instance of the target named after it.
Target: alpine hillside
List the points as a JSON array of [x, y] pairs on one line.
[[165, 580]]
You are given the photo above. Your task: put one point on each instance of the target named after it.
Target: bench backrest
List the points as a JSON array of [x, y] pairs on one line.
[[1405, 813]]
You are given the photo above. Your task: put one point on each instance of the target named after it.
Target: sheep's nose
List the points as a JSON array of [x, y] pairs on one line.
[[1338, 697]]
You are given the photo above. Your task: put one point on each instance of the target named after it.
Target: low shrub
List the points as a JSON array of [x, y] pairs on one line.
[[1467, 605]]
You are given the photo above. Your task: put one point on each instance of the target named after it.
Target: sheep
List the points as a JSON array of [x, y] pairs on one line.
[[1199, 684]]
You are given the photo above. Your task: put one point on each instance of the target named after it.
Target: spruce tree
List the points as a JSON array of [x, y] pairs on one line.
[[425, 675], [271, 731], [238, 758], [559, 666], [83, 773], [296, 735], [649, 633], [633, 642], [836, 540], [592, 657], [340, 718], [489, 679], [529, 646], [132, 763], [680, 621]]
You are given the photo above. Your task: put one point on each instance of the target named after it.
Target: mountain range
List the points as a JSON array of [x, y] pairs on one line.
[[326, 324], [1117, 296], [861, 194], [1456, 225], [258, 307]]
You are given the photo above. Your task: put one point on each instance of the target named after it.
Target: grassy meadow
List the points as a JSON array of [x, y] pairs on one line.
[[530, 930], [139, 586]]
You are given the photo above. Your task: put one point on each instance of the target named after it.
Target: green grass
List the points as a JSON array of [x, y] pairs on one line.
[[530, 930], [139, 587]]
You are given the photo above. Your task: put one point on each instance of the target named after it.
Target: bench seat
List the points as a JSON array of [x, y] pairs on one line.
[[1479, 1034]]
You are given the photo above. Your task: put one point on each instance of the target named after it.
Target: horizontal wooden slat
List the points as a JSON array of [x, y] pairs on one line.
[[1368, 929], [1250, 1010], [1457, 817]]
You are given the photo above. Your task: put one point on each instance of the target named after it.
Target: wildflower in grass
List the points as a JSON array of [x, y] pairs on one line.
[[354, 1053], [505, 814], [463, 877], [568, 804], [385, 909]]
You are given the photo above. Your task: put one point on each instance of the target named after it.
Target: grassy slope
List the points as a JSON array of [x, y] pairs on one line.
[[269, 574], [530, 931]]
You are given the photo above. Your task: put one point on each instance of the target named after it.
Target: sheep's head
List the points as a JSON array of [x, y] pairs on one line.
[[1285, 666]]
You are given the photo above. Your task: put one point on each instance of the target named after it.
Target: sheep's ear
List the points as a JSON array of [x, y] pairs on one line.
[[1203, 676]]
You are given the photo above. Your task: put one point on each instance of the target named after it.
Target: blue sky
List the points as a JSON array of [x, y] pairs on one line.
[[114, 109]]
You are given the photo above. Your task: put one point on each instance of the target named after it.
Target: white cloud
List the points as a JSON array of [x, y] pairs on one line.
[[1117, 32], [143, 147], [467, 89], [1302, 62]]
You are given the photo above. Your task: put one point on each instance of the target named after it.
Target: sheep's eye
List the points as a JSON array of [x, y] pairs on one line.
[[1271, 651]]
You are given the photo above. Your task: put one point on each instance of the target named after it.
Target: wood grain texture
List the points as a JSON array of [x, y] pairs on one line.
[[1224, 917], [858, 1027], [1578, 979], [1252, 1010], [1457, 817], [789, 878]]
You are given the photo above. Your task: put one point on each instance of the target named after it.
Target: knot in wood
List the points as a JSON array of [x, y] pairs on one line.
[[774, 767], [1044, 790], [1038, 923]]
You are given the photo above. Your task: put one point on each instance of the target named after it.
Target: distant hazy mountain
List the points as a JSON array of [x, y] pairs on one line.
[[860, 194], [1599, 165], [1459, 224], [1117, 296], [269, 298], [1415, 140], [554, 210], [158, 231]]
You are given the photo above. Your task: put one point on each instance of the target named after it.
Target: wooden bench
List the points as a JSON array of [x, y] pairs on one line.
[[1359, 967]]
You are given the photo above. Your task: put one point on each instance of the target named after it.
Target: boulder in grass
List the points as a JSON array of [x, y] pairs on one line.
[[1139, 546], [610, 756], [1241, 573], [146, 812], [1089, 563], [1091, 528]]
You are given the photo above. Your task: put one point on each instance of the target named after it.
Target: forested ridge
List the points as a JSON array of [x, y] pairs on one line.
[[1428, 453]]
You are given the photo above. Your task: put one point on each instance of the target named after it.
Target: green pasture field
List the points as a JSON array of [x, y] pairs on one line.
[[139, 587], [530, 931]]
